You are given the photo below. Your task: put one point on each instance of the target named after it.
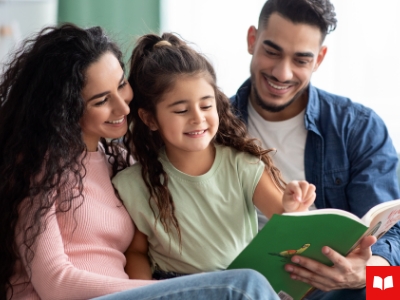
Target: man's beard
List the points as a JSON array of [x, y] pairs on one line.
[[274, 108]]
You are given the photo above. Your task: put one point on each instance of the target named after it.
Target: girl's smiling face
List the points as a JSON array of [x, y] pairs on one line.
[[107, 95], [187, 117]]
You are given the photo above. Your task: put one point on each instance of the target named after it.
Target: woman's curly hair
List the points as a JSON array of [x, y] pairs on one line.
[[156, 63], [40, 134]]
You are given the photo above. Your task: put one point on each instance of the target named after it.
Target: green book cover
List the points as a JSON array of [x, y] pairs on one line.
[[285, 235]]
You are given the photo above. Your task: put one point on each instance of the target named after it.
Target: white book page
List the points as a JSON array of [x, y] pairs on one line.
[[388, 282], [377, 209]]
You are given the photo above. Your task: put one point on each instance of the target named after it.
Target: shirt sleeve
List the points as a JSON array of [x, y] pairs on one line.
[[54, 277], [373, 178], [134, 194], [250, 169]]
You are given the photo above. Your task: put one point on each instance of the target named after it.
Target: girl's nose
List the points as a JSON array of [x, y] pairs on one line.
[[198, 116]]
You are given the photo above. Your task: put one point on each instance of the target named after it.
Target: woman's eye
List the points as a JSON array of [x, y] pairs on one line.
[[207, 107], [122, 84], [100, 103]]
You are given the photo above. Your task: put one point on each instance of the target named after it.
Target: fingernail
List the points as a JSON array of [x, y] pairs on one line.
[[295, 260], [289, 268]]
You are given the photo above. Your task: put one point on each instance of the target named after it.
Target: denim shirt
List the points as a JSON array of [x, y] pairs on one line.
[[349, 157]]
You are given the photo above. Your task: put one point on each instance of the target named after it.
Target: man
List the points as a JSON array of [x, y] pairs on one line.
[[340, 146]]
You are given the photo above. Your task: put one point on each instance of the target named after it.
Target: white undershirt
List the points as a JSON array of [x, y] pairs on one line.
[[287, 137]]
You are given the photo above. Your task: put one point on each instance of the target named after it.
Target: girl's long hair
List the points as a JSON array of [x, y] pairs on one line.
[[156, 64], [40, 135]]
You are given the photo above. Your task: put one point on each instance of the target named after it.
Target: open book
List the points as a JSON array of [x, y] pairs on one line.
[[305, 234]]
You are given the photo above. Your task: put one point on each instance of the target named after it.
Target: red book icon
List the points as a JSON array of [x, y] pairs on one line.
[[383, 283]]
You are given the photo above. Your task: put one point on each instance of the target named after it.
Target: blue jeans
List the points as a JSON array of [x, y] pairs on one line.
[[232, 284], [339, 294]]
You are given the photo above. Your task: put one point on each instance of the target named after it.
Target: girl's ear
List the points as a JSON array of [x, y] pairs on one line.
[[148, 119]]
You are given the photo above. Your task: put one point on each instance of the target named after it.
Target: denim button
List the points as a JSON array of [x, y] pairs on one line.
[[338, 181]]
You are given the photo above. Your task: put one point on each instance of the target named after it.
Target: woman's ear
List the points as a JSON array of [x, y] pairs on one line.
[[148, 119]]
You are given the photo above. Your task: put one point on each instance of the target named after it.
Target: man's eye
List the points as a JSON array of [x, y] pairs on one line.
[[271, 53], [302, 62]]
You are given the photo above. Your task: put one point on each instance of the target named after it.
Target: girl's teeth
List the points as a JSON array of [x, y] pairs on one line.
[[198, 132]]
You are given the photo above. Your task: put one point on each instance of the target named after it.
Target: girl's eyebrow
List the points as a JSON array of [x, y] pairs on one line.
[[177, 103], [185, 101], [102, 94]]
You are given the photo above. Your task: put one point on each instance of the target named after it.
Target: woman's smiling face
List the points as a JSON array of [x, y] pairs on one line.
[[107, 95]]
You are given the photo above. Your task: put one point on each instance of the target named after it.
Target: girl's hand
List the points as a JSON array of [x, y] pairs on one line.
[[298, 196]]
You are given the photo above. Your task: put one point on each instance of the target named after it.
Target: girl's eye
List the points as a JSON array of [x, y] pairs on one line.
[[180, 111], [100, 103], [206, 107]]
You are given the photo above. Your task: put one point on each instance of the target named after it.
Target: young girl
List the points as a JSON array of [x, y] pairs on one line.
[[193, 192], [63, 231]]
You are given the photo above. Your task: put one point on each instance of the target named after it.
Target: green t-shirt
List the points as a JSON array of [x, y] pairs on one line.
[[215, 211]]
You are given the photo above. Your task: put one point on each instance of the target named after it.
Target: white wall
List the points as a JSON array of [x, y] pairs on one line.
[[21, 18], [363, 60], [218, 28]]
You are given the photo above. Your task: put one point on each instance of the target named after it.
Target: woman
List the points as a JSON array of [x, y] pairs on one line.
[[63, 231]]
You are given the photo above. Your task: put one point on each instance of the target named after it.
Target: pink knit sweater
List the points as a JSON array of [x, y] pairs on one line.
[[80, 255]]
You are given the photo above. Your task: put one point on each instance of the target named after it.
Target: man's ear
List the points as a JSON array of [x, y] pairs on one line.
[[320, 57], [147, 119], [251, 39]]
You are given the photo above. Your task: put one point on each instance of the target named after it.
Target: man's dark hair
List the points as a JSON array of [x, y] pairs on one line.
[[320, 13]]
